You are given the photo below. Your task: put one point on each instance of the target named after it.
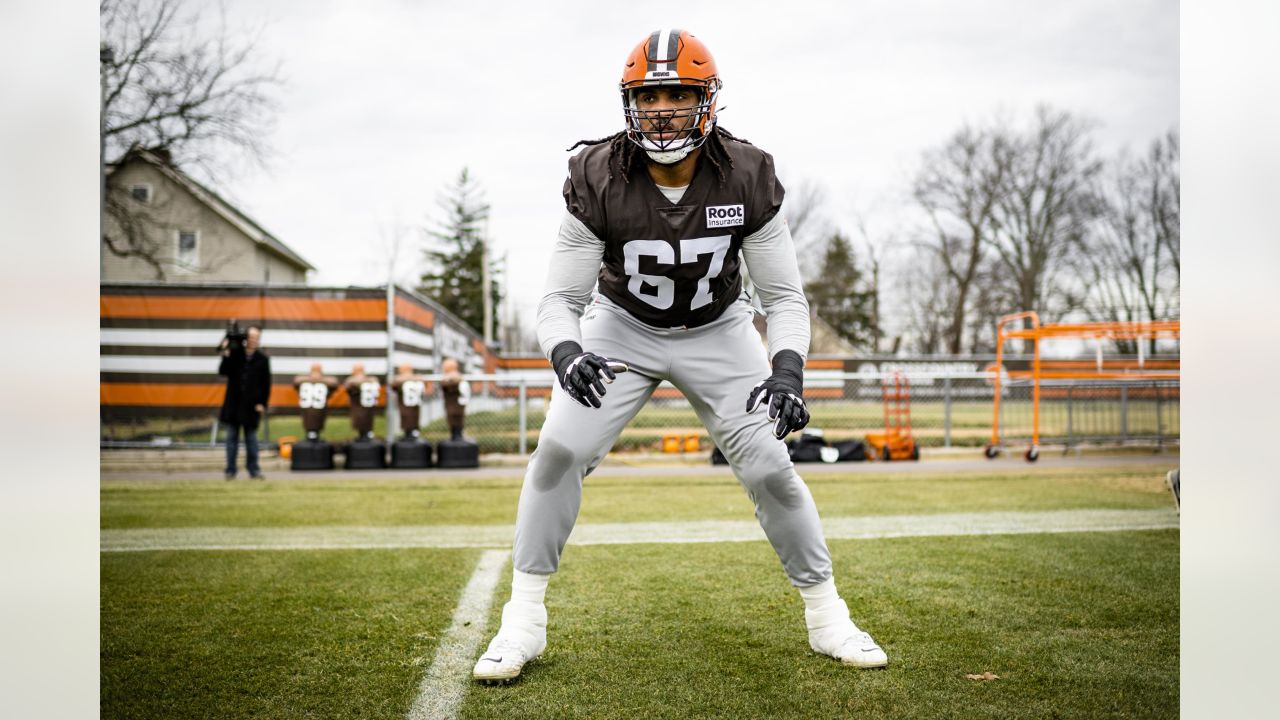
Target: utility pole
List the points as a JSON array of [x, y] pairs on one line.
[[393, 418], [509, 316], [487, 295], [393, 256]]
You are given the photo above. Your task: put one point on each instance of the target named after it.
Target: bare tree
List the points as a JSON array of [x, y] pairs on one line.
[[168, 87], [991, 300], [874, 252], [1163, 197], [960, 187], [139, 231], [393, 239], [808, 226], [1132, 268], [194, 100], [1119, 264], [143, 232], [1043, 215], [517, 337], [927, 297]]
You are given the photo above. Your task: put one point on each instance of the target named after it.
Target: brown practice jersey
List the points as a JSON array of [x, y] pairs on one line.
[[410, 393], [363, 396], [313, 400], [455, 411], [673, 265]]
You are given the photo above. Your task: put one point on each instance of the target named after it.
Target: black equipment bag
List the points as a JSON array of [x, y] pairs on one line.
[[806, 449], [851, 450]]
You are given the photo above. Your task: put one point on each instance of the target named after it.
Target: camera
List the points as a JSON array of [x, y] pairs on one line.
[[236, 337]]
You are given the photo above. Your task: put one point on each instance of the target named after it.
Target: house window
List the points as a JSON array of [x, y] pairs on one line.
[[188, 249], [140, 193]]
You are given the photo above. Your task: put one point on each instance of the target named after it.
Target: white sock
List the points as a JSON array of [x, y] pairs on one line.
[[826, 616], [525, 623], [822, 598], [525, 616], [819, 597], [527, 587]]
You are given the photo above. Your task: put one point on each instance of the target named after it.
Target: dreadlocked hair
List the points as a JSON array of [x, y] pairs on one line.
[[622, 152]]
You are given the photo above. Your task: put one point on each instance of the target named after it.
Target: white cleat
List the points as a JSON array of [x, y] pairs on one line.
[[502, 662], [859, 650], [831, 632], [522, 637]]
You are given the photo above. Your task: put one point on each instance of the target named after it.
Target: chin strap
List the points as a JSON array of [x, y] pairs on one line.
[[669, 157]]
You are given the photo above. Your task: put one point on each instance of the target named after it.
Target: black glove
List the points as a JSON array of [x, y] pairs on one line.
[[784, 391], [580, 373]]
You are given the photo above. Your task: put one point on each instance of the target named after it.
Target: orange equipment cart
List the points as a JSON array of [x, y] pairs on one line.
[[1035, 332], [896, 442]]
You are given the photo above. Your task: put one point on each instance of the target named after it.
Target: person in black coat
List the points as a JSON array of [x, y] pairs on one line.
[[248, 373]]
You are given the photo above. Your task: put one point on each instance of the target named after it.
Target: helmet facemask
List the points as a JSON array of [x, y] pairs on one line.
[[692, 124]]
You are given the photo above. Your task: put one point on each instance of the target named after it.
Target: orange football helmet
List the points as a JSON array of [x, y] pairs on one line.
[[670, 57]]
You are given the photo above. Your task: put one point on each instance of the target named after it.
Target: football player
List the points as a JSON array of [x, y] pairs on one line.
[[660, 218]]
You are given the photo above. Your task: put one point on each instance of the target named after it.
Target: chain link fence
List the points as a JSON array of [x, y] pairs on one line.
[[1076, 412], [505, 414]]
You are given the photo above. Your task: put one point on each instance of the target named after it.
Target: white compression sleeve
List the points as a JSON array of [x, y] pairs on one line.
[[575, 264], [771, 260]]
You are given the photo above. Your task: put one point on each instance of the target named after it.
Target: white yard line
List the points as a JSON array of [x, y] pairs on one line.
[[500, 536], [309, 537], [445, 683]]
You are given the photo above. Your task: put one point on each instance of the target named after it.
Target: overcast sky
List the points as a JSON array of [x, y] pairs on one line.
[[386, 100]]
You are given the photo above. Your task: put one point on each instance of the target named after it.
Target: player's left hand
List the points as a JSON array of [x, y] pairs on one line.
[[784, 393]]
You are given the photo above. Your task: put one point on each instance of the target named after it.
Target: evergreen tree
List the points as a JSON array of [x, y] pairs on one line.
[[837, 294], [453, 275]]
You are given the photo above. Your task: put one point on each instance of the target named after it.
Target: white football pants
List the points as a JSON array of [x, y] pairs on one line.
[[715, 366]]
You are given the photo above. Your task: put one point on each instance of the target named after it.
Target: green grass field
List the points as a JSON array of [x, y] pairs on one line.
[[1078, 624]]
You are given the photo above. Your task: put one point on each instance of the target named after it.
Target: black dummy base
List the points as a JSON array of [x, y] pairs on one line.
[[366, 454], [410, 452], [311, 455], [457, 454]]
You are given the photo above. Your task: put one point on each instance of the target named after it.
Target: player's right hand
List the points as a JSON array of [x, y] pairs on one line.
[[783, 394], [583, 374]]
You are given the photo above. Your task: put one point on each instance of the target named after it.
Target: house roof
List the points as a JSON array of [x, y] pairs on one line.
[[215, 202]]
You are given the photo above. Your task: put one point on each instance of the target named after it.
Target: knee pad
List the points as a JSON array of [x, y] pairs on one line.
[[781, 484], [553, 461]]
